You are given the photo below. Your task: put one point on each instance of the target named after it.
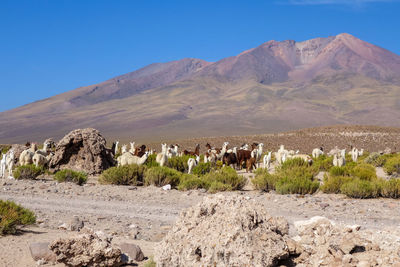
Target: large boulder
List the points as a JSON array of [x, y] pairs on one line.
[[82, 150], [89, 249], [225, 231]]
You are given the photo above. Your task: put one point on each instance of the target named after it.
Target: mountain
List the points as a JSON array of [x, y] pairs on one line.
[[274, 87]]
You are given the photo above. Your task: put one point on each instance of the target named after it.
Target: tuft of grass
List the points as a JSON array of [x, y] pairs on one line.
[[160, 176], [358, 188], [67, 175], [179, 163], [124, 175], [190, 182], [202, 168], [151, 161], [390, 188], [227, 176], [323, 163], [12, 216], [263, 180], [28, 172], [392, 165], [297, 185], [332, 184], [376, 159], [364, 171]]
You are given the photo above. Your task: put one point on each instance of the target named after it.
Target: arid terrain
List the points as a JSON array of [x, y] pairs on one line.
[[144, 215]]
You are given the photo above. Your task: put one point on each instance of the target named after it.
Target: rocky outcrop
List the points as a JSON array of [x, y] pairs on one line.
[[89, 249], [224, 231], [82, 150], [325, 244]]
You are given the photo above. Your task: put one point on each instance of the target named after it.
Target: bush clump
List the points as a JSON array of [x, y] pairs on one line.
[[323, 163], [190, 182], [12, 216], [296, 177], [28, 172], [202, 168], [377, 159], [364, 171], [151, 161], [124, 175], [392, 165], [160, 176], [332, 184], [71, 176], [225, 179], [179, 163], [358, 188], [391, 188], [263, 180]]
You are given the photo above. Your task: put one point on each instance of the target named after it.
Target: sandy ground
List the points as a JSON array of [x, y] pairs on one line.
[[143, 215]]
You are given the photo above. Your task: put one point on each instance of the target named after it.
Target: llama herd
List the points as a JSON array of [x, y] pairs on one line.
[[32, 155], [250, 156]]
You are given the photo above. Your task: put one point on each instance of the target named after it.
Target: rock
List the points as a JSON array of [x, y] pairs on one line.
[[166, 187], [324, 205], [76, 224], [40, 251], [89, 249], [224, 231], [63, 226], [82, 150], [132, 251]]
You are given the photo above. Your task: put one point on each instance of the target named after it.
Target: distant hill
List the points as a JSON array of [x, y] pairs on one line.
[[277, 86]]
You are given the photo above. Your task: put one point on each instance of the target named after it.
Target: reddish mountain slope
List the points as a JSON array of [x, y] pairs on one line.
[[273, 87]]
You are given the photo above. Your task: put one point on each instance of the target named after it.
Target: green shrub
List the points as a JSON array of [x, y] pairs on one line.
[[28, 172], [296, 185], [390, 188], [5, 149], [227, 176], [364, 171], [323, 163], [13, 215], [190, 182], [263, 180], [392, 165], [71, 176], [358, 188], [376, 159], [332, 184], [202, 168], [124, 175], [151, 161], [338, 171], [217, 186], [161, 176], [292, 163], [179, 163]]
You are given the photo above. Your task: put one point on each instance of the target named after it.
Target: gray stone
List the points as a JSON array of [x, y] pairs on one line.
[[132, 251], [41, 251]]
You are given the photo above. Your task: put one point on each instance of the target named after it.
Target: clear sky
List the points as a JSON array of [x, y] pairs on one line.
[[50, 47]]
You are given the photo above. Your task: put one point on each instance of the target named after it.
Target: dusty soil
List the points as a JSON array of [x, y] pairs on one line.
[[143, 215]]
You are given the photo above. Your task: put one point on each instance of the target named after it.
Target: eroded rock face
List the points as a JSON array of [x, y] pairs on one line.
[[89, 249], [224, 231], [82, 150]]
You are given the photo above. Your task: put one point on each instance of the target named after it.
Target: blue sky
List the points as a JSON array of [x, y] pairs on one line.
[[50, 47]]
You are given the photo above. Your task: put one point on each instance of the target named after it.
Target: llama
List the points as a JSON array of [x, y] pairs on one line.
[[39, 160], [116, 147], [10, 162], [230, 158], [195, 153], [26, 156], [354, 154], [334, 151], [283, 158], [162, 158], [304, 157], [132, 149], [361, 152], [128, 159], [124, 149], [259, 153], [339, 159], [267, 160], [223, 151], [192, 163], [3, 163], [317, 152], [45, 150]]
